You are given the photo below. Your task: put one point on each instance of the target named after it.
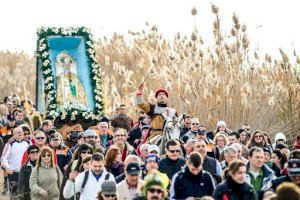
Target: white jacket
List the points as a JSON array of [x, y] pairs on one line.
[[91, 188]]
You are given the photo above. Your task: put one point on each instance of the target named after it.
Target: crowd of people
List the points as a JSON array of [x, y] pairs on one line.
[[119, 158]]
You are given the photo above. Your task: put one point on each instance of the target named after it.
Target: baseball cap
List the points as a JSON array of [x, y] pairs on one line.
[[133, 168], [201, 131], [109, 188], [152, 157], [54, 136]]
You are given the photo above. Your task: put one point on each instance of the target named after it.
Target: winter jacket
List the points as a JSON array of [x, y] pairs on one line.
[[23, 182], [63, 155], [276, 182], [116, 169], [124, 191], [234, 191], [268, 176], [185, 184], [170, 167], [44, 178]]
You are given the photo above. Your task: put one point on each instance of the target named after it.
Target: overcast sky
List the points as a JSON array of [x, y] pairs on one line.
[[271, 24]]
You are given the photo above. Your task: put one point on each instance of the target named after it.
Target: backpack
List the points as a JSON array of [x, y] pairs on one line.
[[85, 179]]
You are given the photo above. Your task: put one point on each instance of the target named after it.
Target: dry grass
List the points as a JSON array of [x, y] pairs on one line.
[[223, 80]]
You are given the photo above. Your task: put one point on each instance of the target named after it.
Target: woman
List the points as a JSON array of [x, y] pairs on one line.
[[269, 163], [113, 161], [234, 187], [46, 177], [86, 163], [220, 142], [81, 152], [279, 159], [257, 139]]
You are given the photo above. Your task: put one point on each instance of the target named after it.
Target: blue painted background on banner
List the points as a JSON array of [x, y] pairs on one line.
[[75, 47]]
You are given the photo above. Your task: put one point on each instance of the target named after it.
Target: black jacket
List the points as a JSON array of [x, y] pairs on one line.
[[170, 167], [276, 182], [23, 181], [185, 184], [234, 191]]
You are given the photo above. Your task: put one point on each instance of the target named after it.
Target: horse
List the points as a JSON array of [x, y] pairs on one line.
[[171, 130]]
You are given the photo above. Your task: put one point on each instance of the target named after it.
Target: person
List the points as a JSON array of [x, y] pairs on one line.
[[143, 151], [11, 159], [108, 192], [243, 136], [234, 137], [257, 139], [3, 114], [191, 134], [80, 141], [75, 165], [234, 187], [46, 127], [238, 147], [220, 142], [143, 140], [158, 113], [293, 171], [119, 140], [122, 120], [89, 182], [103, 133], [113, 161], [7, 131], [136, 132], [268, 161], [40, 139], [154, 188], [186, 125], [192, 181], [222, 127], [280, 138], [129, 159], [296, 145], [25, 171], [61, 151], [288, 190], [279, 159], [128, 188], [210, 164], [189, 147], [172, 163], [46, 178], [258, 174], [90, 137], [230, 155], [153, 149]]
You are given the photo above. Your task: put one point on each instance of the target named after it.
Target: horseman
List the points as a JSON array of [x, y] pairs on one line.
[[159, 113]]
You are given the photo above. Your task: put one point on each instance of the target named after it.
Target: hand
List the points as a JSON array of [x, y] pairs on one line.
[[44, 193], [8, 171], [190, 198], [72, 176]]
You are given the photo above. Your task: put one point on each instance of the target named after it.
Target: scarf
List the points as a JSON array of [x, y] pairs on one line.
[[45, 165]]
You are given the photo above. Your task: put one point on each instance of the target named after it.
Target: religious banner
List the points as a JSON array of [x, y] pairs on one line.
[[68, 75]]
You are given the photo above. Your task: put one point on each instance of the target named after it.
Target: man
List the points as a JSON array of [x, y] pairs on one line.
[[62, 151], [19, 115], [135, 133], [3, 115], [209, 164], [129, 159], [189, 147], [143, 151], [293, 170], [154, 188], [186, 125], [258, 175], [151, 163], [103, 133], [172, 163], [158, 113], [230, 155], [122, 120], [23, 181], [80, 141], [127, 188], [192, 182], [90, 137], [239, 149], [7, 131], [12, 157], [191, 134], [46, 127], [89, 182]]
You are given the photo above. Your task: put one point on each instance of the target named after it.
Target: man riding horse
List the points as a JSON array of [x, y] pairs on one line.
[[159, 113]]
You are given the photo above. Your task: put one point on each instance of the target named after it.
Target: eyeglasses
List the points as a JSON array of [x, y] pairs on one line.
[[88, 152], [153, 190], [46, 155], [258, 136], [247, 129], [91, 137], [195, 124], [112, 196], [174, 151], [40, 138], [33, 152], [56, 139]]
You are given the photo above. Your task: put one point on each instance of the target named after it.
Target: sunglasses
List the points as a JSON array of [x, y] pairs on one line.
[[55, 139], [88, 152], [91, 137], [40, 138], [120, 135], [258, 136], [26, 133], [153, 190], [195, 124], [112, 196], [46, 155], [174, 151], [34, 152]]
